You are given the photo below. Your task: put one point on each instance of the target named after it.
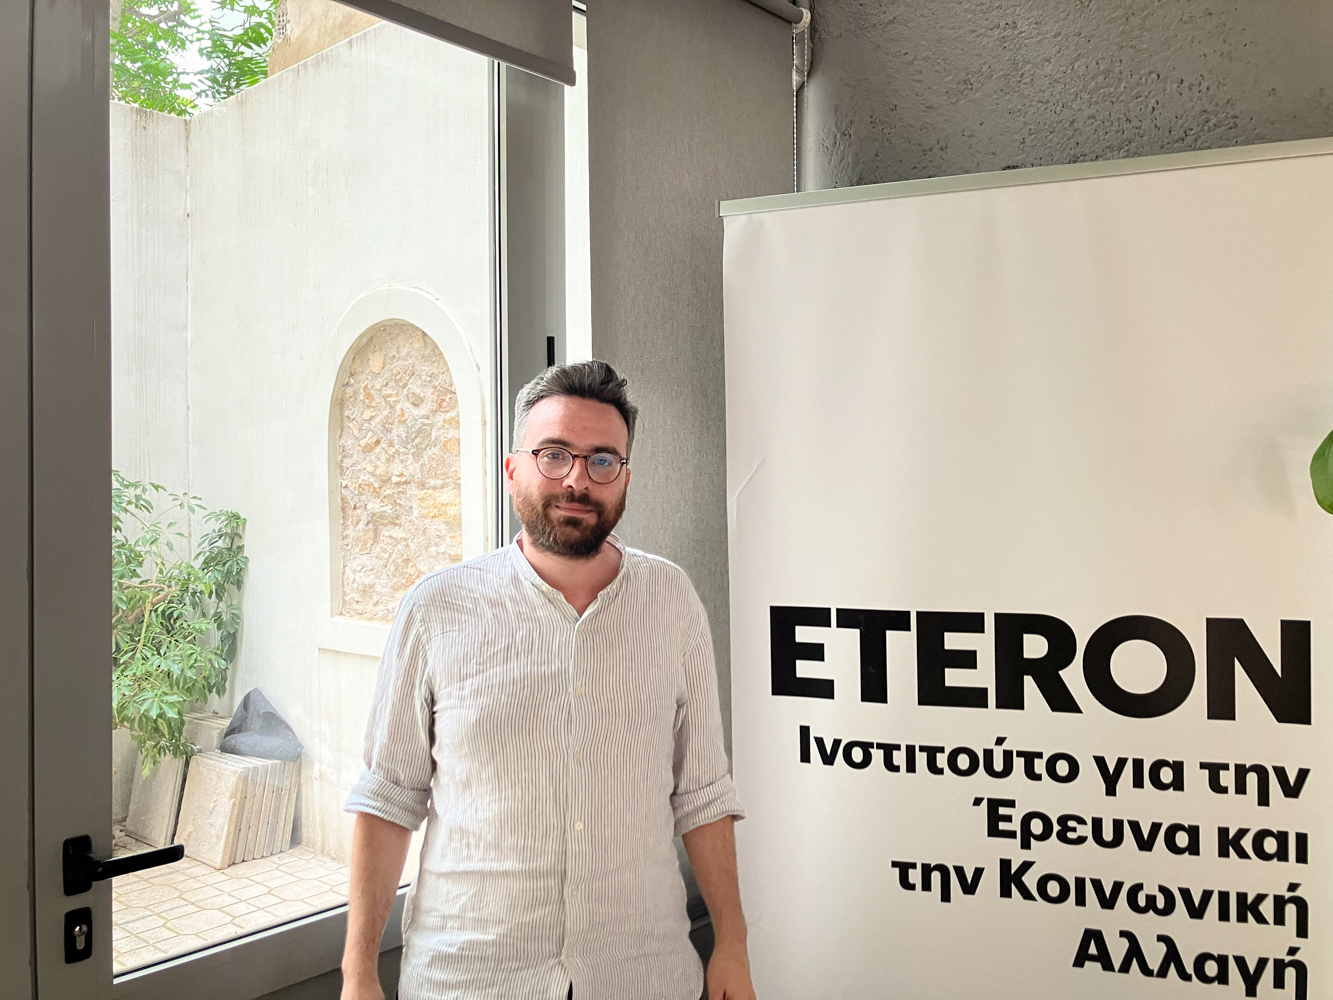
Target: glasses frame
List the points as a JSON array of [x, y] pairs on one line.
[[537, 452]]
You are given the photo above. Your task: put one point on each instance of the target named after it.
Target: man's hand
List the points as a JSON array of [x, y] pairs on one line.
[[362, 988], [712, 851], [729, 974]]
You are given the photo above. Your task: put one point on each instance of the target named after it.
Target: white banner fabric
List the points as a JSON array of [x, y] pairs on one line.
[[1030, 597]]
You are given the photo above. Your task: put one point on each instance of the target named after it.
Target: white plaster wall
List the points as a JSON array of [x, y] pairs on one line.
[[364, 167], [352, 188], [149, 307]]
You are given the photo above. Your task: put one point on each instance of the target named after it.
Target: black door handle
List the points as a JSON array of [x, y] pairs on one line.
[[81, 869]]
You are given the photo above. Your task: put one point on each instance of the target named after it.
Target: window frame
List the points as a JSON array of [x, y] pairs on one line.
[[59, 433], [17, 960]]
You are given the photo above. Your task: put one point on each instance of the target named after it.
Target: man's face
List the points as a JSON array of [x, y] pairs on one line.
[[570, 516]]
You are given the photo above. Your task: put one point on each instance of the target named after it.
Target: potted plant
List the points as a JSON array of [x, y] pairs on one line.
[[176, 611]]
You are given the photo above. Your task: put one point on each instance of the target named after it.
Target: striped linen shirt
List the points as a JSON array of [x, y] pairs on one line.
[[554, 757]]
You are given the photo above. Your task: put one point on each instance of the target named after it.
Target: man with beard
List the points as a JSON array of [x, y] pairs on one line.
[[550, 710]]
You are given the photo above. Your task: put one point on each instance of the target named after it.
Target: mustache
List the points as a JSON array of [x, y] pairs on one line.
[[584, 499]]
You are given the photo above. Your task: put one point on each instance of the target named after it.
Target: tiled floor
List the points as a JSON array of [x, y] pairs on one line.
[[182, 907]]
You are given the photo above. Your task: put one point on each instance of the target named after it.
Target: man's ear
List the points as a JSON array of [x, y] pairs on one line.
[[511, 465]]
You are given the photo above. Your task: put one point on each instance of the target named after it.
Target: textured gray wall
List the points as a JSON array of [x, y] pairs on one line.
[[689, 102], [903, 89]]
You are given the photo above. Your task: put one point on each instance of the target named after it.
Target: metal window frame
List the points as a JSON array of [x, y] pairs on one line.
[[17, 958], [55, 405]]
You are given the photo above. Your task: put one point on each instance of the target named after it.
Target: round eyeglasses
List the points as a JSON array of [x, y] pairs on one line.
[[554, 463]]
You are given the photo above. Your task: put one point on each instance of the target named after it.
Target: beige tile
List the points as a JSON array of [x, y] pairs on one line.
[[289, 908], [201, 905], [157, 934], [182, 943], [194, 923], [202, 895], [139, 956], [255, 920], [220, 933], [124, 941], [303, 889], [151, 895]]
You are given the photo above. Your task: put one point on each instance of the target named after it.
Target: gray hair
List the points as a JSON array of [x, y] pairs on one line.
[[595, 380]]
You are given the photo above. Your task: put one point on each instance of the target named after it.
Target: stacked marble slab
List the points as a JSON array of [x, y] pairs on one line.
[[155, 797], [204, 730], [124, 765], [237, 808]]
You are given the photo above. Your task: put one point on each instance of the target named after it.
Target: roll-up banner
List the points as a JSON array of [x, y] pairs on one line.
[[1031, 602]]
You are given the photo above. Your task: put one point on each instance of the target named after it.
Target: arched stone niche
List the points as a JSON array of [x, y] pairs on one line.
[[400, 487]]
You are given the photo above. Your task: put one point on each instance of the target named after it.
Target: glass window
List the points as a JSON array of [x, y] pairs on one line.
[[303, 378]]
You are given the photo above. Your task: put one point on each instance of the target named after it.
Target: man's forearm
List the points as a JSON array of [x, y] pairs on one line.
[[379, 849], [712, 851]]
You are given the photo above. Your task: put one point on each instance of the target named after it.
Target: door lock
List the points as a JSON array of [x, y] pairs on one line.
[[81, 869], [78, 935]]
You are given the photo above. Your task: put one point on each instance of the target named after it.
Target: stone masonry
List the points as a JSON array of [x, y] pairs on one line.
[[398, 465]]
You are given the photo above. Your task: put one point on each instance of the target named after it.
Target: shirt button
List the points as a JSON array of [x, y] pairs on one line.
[[578, 689], [578, 825], [573, 892], [578, 754]]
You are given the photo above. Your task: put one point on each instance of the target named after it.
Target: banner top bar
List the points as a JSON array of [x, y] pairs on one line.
[[1025, 176]]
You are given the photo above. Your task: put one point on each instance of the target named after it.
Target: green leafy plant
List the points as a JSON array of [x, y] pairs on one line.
[[176, 610], [153, 41], [237, 55], [148, 43], [1321, 473]]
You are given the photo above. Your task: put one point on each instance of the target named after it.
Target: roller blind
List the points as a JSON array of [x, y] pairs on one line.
[[534, 35]]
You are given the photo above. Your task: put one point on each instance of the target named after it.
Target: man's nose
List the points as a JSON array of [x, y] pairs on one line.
[[577, 477]]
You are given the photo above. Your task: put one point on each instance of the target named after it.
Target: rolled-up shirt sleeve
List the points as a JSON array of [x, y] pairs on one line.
[[396, 783], [703, 788]]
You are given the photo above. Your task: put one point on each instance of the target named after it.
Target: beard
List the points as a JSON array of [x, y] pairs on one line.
[[561, 535]]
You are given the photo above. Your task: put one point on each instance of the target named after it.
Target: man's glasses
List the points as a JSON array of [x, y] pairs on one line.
[[554, 463]]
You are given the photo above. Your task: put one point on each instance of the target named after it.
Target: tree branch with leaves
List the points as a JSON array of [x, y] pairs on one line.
[[152, 40]]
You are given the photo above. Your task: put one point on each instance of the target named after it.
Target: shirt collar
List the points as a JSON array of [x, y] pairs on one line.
[[530, 576]]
